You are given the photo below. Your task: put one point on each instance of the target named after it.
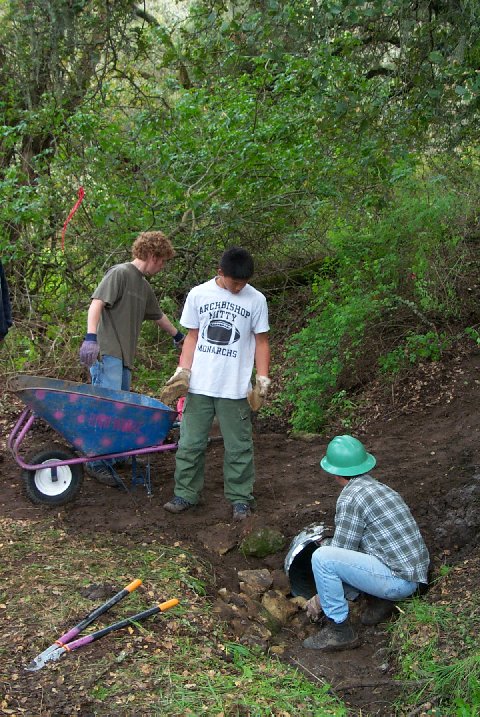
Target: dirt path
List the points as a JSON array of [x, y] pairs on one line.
[[426, 446]]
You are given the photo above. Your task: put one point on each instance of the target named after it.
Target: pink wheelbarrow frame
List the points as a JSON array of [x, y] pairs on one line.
[[99, 424]]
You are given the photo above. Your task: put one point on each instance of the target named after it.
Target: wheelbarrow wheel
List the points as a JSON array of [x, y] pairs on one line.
[[43, 486]]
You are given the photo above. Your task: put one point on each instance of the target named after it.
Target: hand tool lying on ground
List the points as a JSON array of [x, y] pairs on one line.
[[44, 656], [65, 643], [87, 639]]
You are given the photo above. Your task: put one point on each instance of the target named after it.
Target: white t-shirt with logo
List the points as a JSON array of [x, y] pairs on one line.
[[225, 351]]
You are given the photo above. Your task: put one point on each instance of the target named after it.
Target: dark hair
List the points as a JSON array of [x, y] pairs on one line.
[[237, 263]]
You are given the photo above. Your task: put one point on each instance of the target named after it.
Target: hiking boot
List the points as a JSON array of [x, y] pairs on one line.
[[177, 505], [377, 610], [102, 472], [241, 511], [333, 637]]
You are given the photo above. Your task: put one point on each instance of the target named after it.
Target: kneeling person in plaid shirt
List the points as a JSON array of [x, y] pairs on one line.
[[376, 549]]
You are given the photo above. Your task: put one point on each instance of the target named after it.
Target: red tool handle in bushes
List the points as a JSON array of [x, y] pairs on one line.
[[81, 194]]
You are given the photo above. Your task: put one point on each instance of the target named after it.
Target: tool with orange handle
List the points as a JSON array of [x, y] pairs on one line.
[[65, 643], [87, 639], [44, 656]]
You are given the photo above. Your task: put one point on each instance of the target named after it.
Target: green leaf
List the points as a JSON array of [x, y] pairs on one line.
[[436, 57]]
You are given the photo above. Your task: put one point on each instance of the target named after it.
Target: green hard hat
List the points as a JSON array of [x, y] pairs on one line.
[[346, 456]]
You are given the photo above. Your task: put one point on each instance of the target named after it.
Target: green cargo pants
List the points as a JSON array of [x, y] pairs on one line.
[[235, 423]]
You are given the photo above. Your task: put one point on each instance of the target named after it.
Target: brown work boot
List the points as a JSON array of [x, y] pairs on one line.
[[377, 610], [334, 637]]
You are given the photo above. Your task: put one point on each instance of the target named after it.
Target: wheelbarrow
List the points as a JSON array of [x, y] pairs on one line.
[[98, 423]]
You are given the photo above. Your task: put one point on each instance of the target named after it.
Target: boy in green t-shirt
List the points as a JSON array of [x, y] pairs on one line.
[[120, 304]]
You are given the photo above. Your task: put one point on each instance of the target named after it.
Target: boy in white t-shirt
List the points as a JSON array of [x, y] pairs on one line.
[[227, 322]]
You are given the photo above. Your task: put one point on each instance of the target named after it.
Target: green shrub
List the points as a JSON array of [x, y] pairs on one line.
[[329, 344], [398, 268], [415, 349], [473, 333]]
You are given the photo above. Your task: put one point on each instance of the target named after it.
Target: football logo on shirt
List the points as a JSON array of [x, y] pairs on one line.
[[221, 332]]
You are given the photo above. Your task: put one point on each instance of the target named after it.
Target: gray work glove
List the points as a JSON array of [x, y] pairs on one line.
[[256, 397], [314, 609], [89, 350], [176, 386]]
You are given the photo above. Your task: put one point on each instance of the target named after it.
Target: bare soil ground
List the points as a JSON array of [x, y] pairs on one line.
[[425, 435]]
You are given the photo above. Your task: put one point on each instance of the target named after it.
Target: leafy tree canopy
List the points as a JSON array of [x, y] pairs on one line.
[[338, 136]]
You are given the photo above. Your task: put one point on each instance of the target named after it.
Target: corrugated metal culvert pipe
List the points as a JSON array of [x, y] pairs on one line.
[[298, 561]]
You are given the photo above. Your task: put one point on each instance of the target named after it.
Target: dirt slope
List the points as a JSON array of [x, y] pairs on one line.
[[425, 436]]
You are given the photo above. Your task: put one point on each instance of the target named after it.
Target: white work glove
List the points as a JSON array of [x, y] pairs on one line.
[[314, 609], [256, 396], [176, 386]]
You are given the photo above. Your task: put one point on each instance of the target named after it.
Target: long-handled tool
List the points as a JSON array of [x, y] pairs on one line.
[[87, 639], [44, 656]]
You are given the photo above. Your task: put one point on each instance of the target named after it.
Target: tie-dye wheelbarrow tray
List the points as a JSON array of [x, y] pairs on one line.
[[99, 424]]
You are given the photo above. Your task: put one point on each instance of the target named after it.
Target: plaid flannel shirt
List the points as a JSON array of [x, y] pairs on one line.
[[372, 518]]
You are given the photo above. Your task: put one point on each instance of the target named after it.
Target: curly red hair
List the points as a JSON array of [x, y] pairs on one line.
[[153, 244]]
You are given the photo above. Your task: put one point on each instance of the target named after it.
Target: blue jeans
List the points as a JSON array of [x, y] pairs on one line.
[[336, 570], [110, 372]]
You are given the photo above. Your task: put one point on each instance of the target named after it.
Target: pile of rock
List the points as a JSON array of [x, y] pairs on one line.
[[261, 609]]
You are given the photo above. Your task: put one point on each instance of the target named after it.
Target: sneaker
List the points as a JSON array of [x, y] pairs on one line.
[[102, 472], [177, 505], [241, 511]]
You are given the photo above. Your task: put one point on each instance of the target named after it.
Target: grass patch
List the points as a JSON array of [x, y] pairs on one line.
[[177, 663], [437, 649]]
